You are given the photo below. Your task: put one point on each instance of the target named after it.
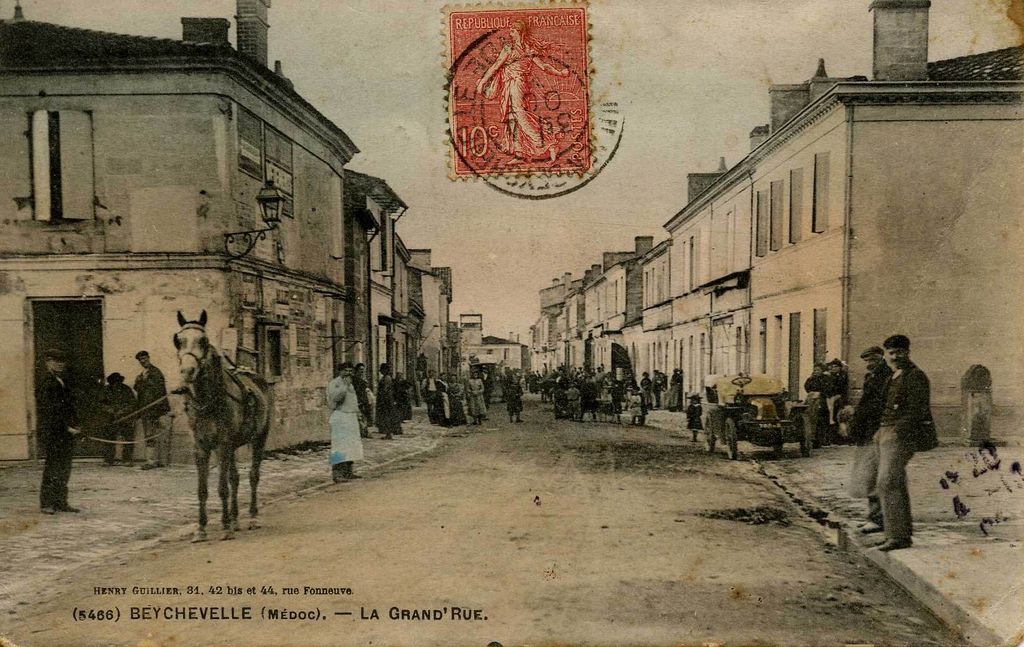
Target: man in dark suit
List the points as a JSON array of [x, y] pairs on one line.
[[863, 423], [151, 389], [57, 430], [905, 427]]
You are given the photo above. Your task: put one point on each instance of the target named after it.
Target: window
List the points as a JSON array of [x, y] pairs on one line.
[[384, 226], [703, 349], [278, 163], [775, 217], [777, 363], [693, 266], [739, 349], [796, 204], [270, 353], [692, 366], [762, 344], [819, 209], [761, 247], [794, 355], [820, 334], [62, 165]]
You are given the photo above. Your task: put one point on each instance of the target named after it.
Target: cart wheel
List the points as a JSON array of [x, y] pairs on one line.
[[730, 437]]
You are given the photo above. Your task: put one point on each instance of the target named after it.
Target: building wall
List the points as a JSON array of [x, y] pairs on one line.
[[936, 247], [799, 278], [159, 154]]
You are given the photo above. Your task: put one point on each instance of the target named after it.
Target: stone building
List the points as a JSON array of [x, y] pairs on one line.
[[432, 287], [867, 208], [126, 161]]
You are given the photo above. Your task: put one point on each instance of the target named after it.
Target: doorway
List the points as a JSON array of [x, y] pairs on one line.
[[75, 327]]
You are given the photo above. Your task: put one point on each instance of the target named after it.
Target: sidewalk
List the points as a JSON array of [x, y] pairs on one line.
[[125, 508], [972, 578]]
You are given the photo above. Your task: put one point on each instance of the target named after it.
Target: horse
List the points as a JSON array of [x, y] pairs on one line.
[[227, 410]]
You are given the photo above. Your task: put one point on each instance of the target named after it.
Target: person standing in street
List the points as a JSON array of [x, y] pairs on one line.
[[389, 418], [432, 396], [906, 427], [694, 412], [675, 393], [363, 397], [513, 390], [151, 389], [57, 428], [118, 402], [346, 441], [659, 384], [404, 396], [863, 424], [475, 398]]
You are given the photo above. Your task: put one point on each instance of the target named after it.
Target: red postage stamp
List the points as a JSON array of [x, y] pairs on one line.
[[518, 90]]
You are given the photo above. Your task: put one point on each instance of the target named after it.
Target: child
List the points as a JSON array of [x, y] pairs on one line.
[[635, 402], [572, 395], [693, 414]]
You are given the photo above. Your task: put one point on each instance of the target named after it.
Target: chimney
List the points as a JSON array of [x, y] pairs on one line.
[[758, 135], [697, 183], [18, 15], [205, 30], [722, 168], [786, 101], [642, 245], [251, 18], [555, 282], [820, 82], [566, 279], [900, 40], [588, 276], [595, 271]]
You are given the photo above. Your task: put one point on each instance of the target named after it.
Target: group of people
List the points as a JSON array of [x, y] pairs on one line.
[[450, 402], [826, 396], [890, 422], [579, 392], [121, 407]]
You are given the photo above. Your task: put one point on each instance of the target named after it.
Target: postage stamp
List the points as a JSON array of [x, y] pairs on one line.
[[518, 90]]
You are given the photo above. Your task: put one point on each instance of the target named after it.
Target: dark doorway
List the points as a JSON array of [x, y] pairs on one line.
[[620, 360], [76, 327]]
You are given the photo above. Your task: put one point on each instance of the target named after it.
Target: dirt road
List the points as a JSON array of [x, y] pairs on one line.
[[539, 532]]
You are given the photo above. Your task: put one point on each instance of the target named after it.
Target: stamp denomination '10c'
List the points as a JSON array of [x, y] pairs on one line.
[[518, 90]]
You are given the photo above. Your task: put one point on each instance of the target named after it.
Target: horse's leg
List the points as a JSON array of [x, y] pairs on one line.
[[224, 491], [203, 473], [258, 442], [234, 490]]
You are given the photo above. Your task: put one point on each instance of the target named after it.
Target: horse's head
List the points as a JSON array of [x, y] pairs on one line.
[[193, 347]]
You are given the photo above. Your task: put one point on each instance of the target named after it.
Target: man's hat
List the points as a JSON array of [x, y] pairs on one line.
[[141, 354], [873, 351], [897, 342], [56, 355], [115, 378]]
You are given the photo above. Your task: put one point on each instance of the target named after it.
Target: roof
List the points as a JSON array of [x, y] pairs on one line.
[[376, 188], [28, 45], [491, 340], [999, 65]]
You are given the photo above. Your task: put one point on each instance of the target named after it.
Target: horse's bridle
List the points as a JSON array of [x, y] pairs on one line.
[[193, 326]]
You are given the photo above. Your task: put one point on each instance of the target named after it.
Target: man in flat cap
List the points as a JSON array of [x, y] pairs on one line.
[[151, 388], [864, 420], [906, 426], [57, 428]]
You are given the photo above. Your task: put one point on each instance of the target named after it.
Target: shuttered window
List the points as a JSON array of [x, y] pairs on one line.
[[819, 213], [775, 216], [62, 165], [761, 247], [796, 204]]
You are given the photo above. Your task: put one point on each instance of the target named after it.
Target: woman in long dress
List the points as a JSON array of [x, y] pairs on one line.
[[475, 398], [346, 444]]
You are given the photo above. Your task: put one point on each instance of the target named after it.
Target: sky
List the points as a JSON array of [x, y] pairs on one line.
[[691, 78]]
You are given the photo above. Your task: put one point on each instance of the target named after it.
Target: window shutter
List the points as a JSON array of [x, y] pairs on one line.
[[76, 165]]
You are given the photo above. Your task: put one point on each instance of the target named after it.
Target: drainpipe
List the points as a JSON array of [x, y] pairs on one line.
[[844, 349]]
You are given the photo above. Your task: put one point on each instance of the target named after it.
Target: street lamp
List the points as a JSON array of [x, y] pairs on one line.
[[270, 199]]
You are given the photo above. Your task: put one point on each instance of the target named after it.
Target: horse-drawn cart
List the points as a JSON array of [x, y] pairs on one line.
[[755, 409]]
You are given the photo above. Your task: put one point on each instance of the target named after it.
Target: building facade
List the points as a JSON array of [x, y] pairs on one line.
[[865, 208]]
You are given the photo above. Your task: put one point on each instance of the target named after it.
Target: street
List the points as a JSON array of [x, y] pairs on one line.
[[548, 530]]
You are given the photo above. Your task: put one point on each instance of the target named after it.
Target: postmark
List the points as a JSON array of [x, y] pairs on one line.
[[519, 96]]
